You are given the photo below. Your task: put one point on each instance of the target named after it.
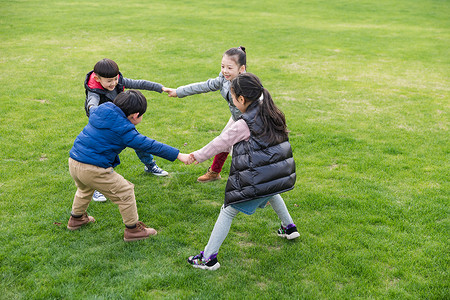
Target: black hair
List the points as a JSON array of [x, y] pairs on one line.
[[240, 53], [249, 86], [131, 102], [106, 68]]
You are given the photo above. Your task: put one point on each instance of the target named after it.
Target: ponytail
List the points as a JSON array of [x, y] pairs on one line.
[[273, 118], [274, 123]]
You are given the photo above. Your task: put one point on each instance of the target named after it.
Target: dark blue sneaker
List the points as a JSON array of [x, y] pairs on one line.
[[99, 197], [198, 261], [155, 170], [290, 232]]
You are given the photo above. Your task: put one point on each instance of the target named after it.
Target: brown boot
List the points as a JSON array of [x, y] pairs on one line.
[[210, 175], [140, 232], [76, 223]]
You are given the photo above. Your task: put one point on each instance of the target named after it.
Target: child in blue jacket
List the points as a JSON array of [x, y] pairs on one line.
[[102, 85], [95, 153]]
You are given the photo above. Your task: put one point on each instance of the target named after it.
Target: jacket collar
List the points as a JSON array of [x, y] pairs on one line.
[[93, 84]]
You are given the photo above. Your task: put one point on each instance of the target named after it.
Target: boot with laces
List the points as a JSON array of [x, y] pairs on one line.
[[210, 175], [78, 221], [140, 232]]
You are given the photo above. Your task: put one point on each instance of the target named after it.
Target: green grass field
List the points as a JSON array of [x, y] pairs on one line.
[[365, 89]]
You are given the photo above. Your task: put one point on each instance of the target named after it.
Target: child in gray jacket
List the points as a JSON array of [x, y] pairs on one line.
[[234, 62]]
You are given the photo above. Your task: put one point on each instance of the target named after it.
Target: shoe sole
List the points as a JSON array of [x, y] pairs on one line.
[[291, 236], [77, 227], [139, 239], [209, 180], [159, 175], [213, 268], [74, 228], [99, 200]]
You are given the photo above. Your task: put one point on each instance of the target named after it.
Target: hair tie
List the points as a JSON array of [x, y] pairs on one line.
[[261, 98]]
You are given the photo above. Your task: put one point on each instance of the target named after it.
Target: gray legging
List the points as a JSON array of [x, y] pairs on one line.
[[223, 223]]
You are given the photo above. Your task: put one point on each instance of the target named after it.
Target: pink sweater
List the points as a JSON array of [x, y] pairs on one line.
[[236, 132]]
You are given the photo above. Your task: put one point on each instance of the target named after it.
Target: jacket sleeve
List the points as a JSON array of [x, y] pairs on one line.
[[92, 99], [210, 85], [142, 85], [237, 132], [135, 140]]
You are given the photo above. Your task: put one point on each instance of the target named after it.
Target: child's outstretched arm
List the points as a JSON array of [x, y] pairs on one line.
[[142, 85], [211, 85], [237, 132]]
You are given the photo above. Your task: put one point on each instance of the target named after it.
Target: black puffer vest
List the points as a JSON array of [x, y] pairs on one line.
[[101, 91], [258, 169]]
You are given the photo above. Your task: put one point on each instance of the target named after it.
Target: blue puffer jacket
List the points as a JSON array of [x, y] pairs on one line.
[[108, 133]]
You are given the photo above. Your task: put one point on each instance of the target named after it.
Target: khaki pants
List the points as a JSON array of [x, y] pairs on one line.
[[111, 184]]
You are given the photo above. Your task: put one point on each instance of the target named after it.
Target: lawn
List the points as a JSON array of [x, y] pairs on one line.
[[364, 86]]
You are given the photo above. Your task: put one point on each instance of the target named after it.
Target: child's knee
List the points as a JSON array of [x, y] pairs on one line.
[[229, 211]]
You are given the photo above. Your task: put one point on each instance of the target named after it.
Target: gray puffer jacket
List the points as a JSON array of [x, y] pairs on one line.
[[211, 85]]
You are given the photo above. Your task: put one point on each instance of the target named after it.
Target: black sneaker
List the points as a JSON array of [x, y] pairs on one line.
[[290, 232], [198, 261]]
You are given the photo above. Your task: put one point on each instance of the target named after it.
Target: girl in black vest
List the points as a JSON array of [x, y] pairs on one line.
[[262, 165]]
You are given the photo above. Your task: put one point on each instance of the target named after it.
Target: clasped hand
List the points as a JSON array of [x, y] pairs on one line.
[[187, 159]]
